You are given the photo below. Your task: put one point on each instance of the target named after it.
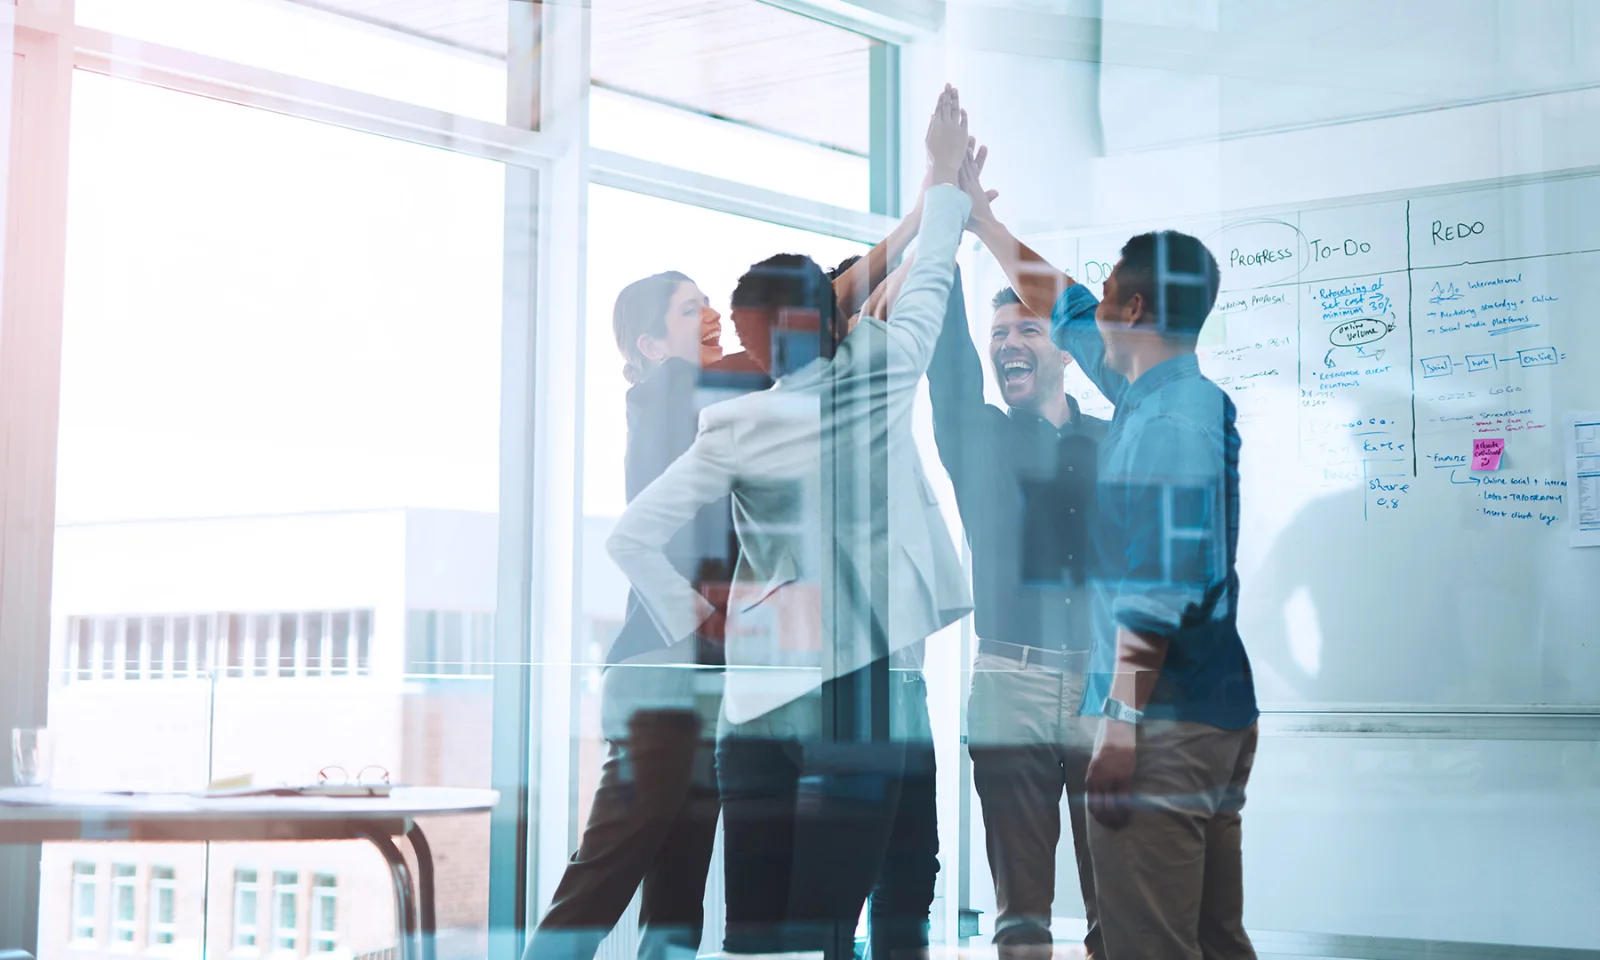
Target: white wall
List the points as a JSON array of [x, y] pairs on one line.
[[1152, 112]]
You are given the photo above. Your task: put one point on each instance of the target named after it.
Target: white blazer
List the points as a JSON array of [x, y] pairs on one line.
[[896, 576]]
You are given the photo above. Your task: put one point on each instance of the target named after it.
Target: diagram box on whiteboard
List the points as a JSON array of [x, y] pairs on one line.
[[1438, 366], [1480, 361], [1538, 357]]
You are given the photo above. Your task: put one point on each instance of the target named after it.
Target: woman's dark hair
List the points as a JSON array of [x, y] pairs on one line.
[[641, 311], [844, 265]]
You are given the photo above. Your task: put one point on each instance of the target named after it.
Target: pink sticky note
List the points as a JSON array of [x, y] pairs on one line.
[[1486, 453]]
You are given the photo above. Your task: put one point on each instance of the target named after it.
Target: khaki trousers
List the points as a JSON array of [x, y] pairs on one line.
[[1170, 883], [1029, 746]]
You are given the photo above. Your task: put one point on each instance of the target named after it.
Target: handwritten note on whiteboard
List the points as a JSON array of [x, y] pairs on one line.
[[1583, 477], [1486, 452]]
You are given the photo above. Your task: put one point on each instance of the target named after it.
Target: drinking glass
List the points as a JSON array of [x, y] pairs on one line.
[[30, 756]]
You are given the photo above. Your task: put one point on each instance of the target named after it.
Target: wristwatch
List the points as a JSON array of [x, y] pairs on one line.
[[1117, 710]]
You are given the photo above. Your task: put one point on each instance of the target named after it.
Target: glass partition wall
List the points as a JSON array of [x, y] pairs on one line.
[[367, 363]]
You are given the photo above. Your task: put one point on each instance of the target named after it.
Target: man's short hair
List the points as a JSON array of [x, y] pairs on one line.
[[1190, 273], [788, 281], [1005, 298]]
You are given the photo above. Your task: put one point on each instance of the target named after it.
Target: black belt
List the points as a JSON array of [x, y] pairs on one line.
[[1029, 656]]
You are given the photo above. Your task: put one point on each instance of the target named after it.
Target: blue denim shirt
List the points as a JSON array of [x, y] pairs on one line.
[[1168, 529]]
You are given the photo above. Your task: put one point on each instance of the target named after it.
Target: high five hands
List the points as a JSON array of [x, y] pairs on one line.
[[947, 138], [954, 156]]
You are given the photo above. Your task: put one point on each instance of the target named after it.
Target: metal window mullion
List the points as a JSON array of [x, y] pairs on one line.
[[325, 649], [623, 172], [185, 71], [537, 64], [119, 660], [884, 128]]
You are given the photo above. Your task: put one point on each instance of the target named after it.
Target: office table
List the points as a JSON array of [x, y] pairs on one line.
[[44, 815]]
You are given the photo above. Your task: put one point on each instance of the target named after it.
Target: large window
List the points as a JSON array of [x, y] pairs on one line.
[[278, 462], [280, 413], [736, 89], [449, 56]]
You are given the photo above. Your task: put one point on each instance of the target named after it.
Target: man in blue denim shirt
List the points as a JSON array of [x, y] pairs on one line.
[[1168, 672]]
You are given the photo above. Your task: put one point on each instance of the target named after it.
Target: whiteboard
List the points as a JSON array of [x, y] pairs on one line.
[[1367, 342]]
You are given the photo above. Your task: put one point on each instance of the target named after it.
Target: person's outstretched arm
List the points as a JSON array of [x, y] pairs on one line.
[[1038, 284], [855, 286], [1044, 290], [919, 310]]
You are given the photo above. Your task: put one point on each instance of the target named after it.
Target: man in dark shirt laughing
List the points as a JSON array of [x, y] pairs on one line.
[[1024, 481]]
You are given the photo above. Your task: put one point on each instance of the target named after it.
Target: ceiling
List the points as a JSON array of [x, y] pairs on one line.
[[741, 60]]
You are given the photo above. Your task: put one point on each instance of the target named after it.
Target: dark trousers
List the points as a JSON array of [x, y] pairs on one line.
[[811, 829], [653, 824]]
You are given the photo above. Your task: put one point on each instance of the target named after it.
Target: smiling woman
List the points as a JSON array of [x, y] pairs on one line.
[[713, 249]]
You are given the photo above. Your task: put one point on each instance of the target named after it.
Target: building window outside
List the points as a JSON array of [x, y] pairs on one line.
[[233, 640], [285, 911], [288, 644], [261, 636], [80, 664], [246, 910], [449, 642], [363, 621], [315, 650], [123, 914], [156, 648], [339, 642], [317, 643], [163, 905], [132, 647], [84, 877], [324, 913]]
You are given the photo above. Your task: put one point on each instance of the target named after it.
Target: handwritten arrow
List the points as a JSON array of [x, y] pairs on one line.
[[1327, 359], [1470, 478]]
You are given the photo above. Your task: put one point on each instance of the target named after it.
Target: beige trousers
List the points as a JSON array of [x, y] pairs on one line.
[[1029, 746], [1170, 883]]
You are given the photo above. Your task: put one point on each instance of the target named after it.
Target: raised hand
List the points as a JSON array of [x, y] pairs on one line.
[[969, 180], [947, 138]]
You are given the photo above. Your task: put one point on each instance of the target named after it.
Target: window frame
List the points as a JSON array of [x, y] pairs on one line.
[[163, 890], [323, 940], [124, 888], [243, 888], [285, 891], [84, 881], [546, 159]]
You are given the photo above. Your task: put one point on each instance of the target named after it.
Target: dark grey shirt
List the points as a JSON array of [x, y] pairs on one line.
[[1025, 490]]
